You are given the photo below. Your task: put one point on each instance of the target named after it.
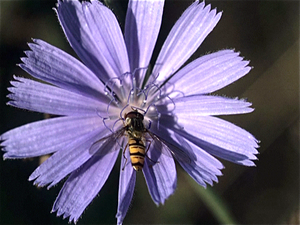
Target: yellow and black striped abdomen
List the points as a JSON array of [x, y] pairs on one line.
[[137, 153]]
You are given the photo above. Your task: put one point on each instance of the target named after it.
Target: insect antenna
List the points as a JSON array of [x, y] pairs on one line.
[[121, 113]]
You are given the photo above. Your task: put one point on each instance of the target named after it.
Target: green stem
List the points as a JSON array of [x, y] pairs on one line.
[[213, 202]]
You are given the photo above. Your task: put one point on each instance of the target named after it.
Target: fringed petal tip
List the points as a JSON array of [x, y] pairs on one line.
[[60, 2], [35, 42], [209, 105], [72, 219], [180, 45], [119, 219], [248, 163], [210, 73], [38, 183], [16, 78], [213, 180], [8, 155], [162, 201]]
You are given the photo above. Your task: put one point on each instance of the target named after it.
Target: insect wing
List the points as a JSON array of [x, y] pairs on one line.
[[114, 137], [169, 149]]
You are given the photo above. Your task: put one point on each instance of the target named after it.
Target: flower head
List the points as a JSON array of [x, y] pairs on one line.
[[108, 101]]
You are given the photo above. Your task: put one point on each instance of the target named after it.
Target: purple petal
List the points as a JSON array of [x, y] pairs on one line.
[[67, 159], [50, 64], [126, 187], [232, 156], [83, 185], [46, 136], [44, 98], [217, 137], [142, 25], [74, 24], [210, 73], [185, 37], [160, 174], [204, 105], [217, 128], [108, 36], [202, 166]]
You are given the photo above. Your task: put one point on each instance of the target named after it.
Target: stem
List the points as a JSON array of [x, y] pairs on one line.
[[213, 202]]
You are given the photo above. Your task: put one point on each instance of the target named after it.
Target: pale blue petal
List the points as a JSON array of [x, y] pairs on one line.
[[44, 98], [185, 37], [50, 64], [143, 20], [67, 159], [210, 73], [160, 173], [126, 187], [46, 136], [84, 185], [74, 24], [108, 36], [203, 105]]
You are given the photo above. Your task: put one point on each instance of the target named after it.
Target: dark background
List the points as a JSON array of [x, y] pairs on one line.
[[265, 32]]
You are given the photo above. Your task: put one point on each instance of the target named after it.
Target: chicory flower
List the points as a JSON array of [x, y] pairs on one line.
[[93, 98]]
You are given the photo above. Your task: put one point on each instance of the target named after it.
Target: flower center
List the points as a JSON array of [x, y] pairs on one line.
[[126, 94]]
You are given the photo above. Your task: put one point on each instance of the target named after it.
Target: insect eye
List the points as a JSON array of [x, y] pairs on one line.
[[127, 121]]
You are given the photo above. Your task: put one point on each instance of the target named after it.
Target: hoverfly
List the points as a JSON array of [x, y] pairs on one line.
[[136, 133]]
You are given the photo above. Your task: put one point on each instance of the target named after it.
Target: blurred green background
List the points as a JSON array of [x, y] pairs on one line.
[[265, 32]]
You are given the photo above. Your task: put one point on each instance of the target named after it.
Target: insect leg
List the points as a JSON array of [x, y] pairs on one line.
[[124, 157], [148, 147]]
